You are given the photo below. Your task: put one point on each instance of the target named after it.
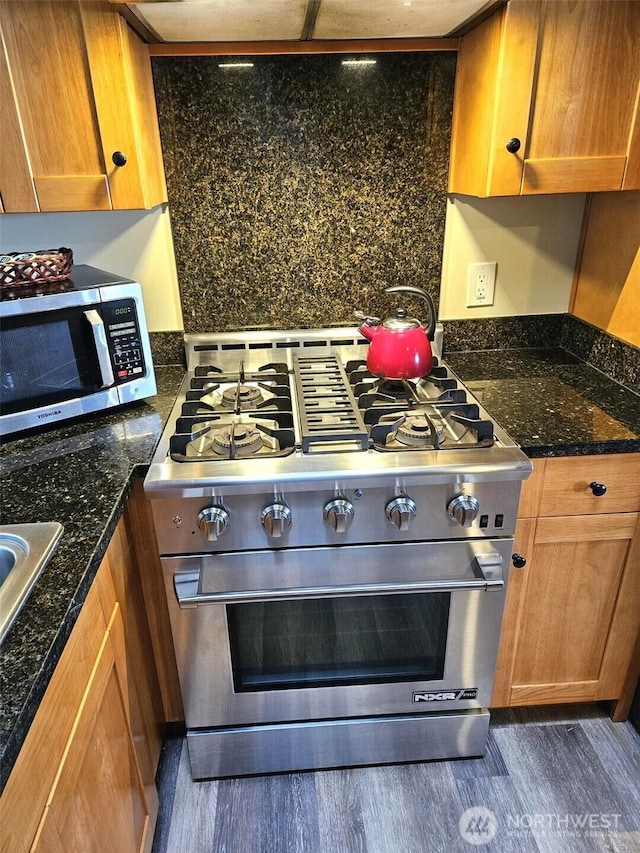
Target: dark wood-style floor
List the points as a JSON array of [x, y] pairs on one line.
[[553, 780]]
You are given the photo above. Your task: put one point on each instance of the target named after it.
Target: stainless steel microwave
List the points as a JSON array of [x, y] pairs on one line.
[[72, 347]]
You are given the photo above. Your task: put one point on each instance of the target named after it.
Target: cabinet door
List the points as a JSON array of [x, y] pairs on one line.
[[494, 85], [513, 609], [28, 787], [547, 99], [122, 90], [588, 70], [16, 186], [134, 655], [98, 799], [45, 48], [84, 95], [572, 587]]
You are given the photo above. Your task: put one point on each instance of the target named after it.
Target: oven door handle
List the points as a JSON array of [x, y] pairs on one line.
[[186, 585]]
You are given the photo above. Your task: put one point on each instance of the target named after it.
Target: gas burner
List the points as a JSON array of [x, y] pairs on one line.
[[378, 396], [236, 440], [443, 425], [394, 389], [318, 403], [229, 437], [242, 397], [262, 390], [417, 431]]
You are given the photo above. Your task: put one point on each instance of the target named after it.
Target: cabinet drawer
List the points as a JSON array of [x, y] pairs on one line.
[[566, 489]]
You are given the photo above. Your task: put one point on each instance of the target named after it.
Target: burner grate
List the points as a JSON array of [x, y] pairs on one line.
[[229, 437], [455, 426], [235, 414], [430, 413], [328, 409]]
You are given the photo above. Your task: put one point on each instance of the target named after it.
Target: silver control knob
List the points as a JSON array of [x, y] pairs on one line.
[[401, 511], [339, 514], [213, 521], [276, 519], [463, 509]]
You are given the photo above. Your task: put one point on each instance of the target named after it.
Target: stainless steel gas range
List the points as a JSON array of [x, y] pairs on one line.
[[335, 550]]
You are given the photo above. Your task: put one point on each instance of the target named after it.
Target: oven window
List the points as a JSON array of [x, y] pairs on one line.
[[336, 641]]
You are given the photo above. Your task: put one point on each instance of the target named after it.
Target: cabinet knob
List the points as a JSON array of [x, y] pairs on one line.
[[119, 158], [598, 489], [518, 561], [513, 145]]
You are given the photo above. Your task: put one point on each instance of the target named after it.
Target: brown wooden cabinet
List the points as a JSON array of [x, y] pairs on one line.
[[606, 286], [557, 82], [79, 93], [99, 800], [573, 612], [85, 776]]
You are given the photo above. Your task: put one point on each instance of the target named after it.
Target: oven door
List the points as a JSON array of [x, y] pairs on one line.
[[320, 633]]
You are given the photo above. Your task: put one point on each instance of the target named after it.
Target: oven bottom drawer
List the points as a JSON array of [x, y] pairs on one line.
[[245, 750]]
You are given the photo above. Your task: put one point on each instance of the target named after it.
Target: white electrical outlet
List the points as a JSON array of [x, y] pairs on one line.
[[481, 284]]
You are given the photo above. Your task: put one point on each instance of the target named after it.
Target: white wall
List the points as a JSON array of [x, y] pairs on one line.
[[534, 240], [133, 243]]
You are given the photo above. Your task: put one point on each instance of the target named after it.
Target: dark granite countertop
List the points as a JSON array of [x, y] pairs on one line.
[[550, 402], [79, 474]]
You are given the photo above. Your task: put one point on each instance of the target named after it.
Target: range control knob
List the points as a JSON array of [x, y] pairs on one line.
[[401, 511], [276, 519], [339, 514], [213, 521], [463, 509]]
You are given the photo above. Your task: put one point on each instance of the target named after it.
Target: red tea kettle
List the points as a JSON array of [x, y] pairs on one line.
[[400, 345]]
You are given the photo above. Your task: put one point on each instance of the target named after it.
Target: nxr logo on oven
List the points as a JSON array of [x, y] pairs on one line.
[[446, 695]]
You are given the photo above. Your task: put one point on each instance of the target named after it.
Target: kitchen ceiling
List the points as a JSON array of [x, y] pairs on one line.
[[302, 20]]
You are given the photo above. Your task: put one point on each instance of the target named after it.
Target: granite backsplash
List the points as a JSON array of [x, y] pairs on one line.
[[618, 360], [300, 187], [615, 358]]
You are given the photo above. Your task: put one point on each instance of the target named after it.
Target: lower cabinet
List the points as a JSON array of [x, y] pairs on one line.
[[572, 613], [85, 777], [99, 801]]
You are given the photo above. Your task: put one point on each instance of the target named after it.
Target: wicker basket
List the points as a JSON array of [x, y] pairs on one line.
[[18, 268]]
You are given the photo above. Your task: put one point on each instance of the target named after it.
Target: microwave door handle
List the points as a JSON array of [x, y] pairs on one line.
[[100, 339], [187, 584]]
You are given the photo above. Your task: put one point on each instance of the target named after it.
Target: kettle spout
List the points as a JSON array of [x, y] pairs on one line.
[[367, 331]]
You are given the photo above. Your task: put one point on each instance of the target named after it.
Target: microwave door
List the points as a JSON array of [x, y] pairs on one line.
[[49, 358]]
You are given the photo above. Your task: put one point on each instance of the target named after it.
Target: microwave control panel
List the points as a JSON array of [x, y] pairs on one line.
[[123, 337]]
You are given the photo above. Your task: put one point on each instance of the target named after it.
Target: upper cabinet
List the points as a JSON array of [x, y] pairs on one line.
[[547, 100], [78, 94], [606, 286]]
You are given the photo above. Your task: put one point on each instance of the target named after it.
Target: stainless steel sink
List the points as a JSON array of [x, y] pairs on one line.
[[25, 549]]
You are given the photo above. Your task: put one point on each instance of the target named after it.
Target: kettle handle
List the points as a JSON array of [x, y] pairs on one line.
[[418, 291]]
